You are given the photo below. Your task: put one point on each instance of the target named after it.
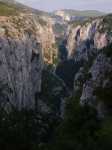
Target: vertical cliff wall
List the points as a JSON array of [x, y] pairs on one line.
[[21, 61], [89, 46], [47, 38]]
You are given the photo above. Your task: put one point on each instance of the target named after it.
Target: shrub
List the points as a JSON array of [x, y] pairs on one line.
[[108, 50], [53, 89], [25, 129], [6, 10], [78, 128], [104, 135]]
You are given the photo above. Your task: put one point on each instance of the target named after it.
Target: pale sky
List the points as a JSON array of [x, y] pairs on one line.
[[51, 5]]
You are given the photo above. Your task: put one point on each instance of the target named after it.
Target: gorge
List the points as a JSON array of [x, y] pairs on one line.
[[55, 79]]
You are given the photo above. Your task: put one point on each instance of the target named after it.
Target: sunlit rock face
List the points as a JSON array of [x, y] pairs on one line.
[[21, 61], [47, 38], [83, 38], [90, 44]]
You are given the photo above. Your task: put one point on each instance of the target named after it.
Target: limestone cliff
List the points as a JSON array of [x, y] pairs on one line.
[[47, 38], [21, 61], [89, 46], [89, 35], [42, 20]]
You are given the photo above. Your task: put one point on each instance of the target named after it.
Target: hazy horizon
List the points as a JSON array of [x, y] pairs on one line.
[[52, 5]]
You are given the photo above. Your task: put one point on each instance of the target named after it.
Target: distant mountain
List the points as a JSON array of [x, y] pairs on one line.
[[85, 13], [9, 7]]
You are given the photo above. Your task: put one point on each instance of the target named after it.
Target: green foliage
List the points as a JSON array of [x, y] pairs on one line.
[[108, 50], [55, 46], [105, 135], [25, 129], [104, 94], [81, 129], [78, 128], [85, 13], [58, 28], [18, 130], [53, 89], [106, 24], [81, 22], [6, 10], [55, 60]]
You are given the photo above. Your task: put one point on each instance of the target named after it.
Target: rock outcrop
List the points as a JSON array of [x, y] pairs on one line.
[[47, 38], [89, 46], [21, 61], [85, 37]]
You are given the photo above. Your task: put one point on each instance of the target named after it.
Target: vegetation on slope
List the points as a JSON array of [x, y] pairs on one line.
[[108, 50], [82, 129], [7, 10], [107, 24], [104, 26], [53, 90], [86, 13], [25, 129]]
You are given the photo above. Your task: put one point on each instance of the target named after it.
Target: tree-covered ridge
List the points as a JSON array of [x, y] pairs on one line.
[[10, 7], [82, 128], [85, 13], [105, 24], [6, 10]]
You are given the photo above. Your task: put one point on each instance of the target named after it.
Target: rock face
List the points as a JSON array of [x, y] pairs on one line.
[[27, 40], [84, 38], [21, 61], [101, 72], [47, 38], [90, 47], [41, 19]]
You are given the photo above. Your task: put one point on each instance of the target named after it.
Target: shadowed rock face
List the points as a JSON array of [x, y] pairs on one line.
[[101, 72], [21, 61], [89, 46]]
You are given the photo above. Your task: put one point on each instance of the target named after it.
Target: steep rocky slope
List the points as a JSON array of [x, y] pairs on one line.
[[89, 47], [43, 21], [93, 33], [21, 61], [27, 42], [47, 38]]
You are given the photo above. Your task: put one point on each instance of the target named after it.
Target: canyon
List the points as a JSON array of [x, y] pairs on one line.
[[48, 62], [29, 41]]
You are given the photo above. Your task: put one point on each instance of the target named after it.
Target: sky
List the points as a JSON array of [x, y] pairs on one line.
[[51, 5]]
